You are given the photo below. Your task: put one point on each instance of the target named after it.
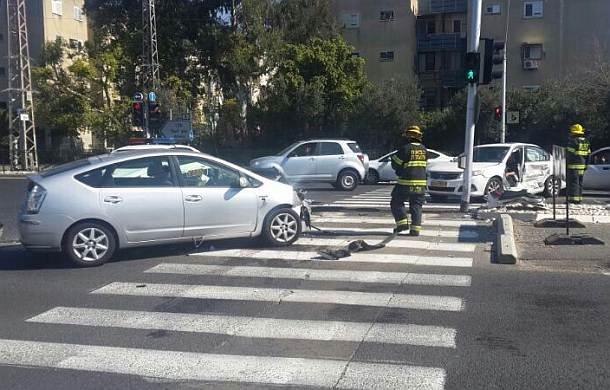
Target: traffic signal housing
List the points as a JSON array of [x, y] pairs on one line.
[[493, 54], [472, 64], [137, 114]]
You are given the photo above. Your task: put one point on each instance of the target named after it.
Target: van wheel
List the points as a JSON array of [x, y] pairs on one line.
[[347, 180], [282, 227], [89, 244]]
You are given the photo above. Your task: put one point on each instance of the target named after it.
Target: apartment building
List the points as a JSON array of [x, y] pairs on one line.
[[441, 43], [382, 32], [548, 38], [47, 20]]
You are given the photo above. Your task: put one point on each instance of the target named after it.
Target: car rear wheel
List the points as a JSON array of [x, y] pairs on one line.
[[494, 184], [372, 177], [89, 244], [347, 180], [282, 227]]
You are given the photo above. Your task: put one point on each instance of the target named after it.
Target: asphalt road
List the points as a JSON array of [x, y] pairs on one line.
[[153, 319]]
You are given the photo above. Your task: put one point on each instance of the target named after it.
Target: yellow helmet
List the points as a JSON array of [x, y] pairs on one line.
[[577, 129], [412, 131]]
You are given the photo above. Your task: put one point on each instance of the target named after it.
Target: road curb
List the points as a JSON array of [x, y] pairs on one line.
[[506, 249]]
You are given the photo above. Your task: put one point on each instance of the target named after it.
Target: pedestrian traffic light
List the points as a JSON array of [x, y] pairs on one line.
[[472, 62], [498, 112], [493, 54], [154, 110], [137, 114]]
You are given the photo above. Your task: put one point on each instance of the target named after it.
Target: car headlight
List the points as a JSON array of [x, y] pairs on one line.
[[35, 198]]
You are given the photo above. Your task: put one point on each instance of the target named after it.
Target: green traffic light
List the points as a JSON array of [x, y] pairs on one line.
[[470, 75]]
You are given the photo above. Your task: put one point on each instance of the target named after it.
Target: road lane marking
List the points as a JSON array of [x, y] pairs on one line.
[[268, 254], [390, 221], [189, 366], [397, 243], [396, 278], [254, 327], [277, 295], [459, 234]]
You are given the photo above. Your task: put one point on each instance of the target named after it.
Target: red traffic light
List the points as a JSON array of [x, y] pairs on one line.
[[498, 112], [136, 106]]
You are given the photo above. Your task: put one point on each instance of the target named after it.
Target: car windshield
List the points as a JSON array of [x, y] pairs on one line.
[[489, 154], [285, 150]]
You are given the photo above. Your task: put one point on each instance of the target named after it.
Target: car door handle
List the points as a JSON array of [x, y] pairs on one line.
[[113, 199], [193, 198]]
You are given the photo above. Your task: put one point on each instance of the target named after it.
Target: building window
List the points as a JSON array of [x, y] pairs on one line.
[[2, 71], [532, 52], [492, 9], [76, 44], [457, 26], [78, 13], [532, 9], [431, 27], [386, 16], [56, 7], [355, 54], [386, 56], [351, 20]]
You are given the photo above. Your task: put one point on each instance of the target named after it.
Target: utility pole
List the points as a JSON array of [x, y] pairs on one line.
[[22, 129], [504, 108], [473, 47], [150, 55]]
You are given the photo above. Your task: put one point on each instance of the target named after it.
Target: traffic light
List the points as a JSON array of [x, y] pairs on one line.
[[493, 54], [498, 112], [472, 63], [154, 110], [137, 114]]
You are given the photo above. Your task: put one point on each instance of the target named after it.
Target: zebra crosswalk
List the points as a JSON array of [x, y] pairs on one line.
[[276, 297]]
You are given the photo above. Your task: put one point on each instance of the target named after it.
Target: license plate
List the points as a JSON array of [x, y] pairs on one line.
[[438, 183]]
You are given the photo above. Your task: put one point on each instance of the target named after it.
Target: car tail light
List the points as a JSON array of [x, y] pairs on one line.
[[35, 198], [361, 157]]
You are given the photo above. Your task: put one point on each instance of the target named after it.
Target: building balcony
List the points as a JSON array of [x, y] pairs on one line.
[[442, 6], [452, 79], [439, 42]]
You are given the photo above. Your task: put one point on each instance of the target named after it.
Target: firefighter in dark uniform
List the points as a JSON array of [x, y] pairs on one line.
[[577, 152], [409, 163]]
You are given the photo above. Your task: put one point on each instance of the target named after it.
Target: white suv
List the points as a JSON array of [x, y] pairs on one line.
[[491, 164], [339, 162]]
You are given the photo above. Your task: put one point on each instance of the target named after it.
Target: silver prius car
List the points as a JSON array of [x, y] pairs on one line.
[[92, 207]]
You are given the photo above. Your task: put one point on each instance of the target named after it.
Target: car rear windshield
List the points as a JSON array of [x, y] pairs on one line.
[[65, 168], [489, 154], [354, 147]]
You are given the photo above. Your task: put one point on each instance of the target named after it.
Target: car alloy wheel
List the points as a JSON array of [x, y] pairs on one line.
[[90, 244], [494, 184], [284, 227]]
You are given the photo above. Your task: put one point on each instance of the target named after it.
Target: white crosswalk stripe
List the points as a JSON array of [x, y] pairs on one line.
[[390, 221], [337, 297], [362, 257], [314, 274], [325, 373], [390, 279], [396, 243], [255, 327]]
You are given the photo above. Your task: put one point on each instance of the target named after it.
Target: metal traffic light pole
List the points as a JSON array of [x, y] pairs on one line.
[[473, 46], [504, 109]]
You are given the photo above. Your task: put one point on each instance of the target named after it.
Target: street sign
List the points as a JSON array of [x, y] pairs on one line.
[[138, 96], [512, 117], [177, 131], [24, 117], [152, 96]]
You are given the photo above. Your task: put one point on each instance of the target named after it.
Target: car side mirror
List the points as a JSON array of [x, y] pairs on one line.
[[461, 162], [243, 182]]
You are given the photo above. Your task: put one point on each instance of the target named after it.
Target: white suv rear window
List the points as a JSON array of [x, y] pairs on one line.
[[354, 147]]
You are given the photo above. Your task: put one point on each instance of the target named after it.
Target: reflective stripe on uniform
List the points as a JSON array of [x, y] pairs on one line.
[[416, 228], [404, 221], [577, 166], [415, 164], [411, 182], [574, 197], [579, 152], [397, 160]]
